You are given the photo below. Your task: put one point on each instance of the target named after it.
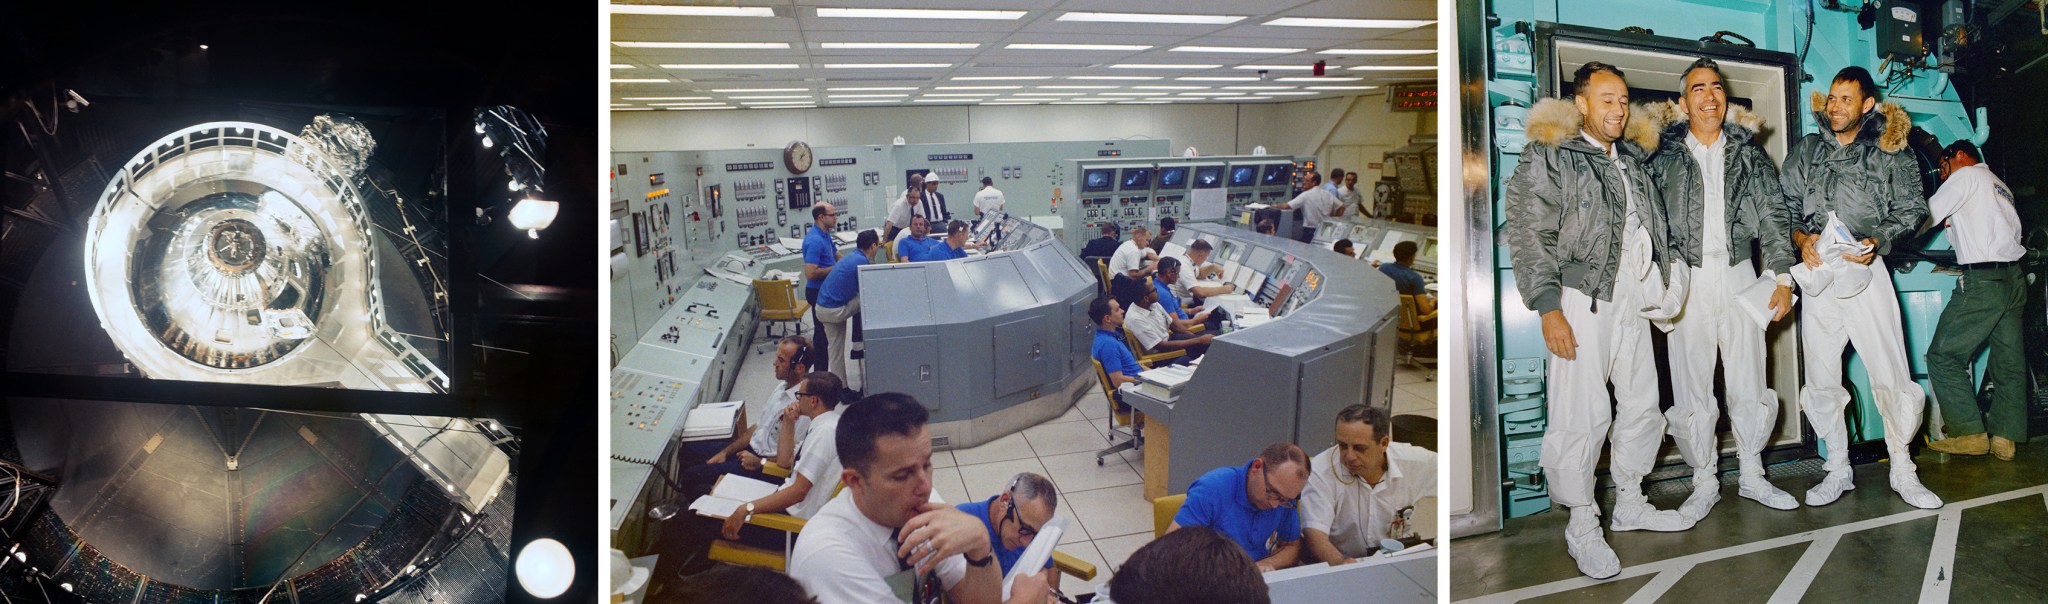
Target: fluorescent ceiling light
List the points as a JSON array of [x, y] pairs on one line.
[[887, 65], [836, 102], [1239, 49], [1151, 18], [869, 96], [1114, 77], [994, 78], [1142, 103], [1356, 23], [785, 107], [1167, 98], [634, 109], [945, 100], [665, 98], [1317, 79], [1161, 66], [695, 108], [931, 94], [1394, 68], [872, 88], [1253, 98], [693, 11], [1073, 87], [1219, 79], [1254, 88], [1051, 93], [1341, 87], [1296, 93], [760, 89], [639, 81], [618, 66], [688, 104], [901, 45], [1078, 103], [1010, 103], [1170, 87], [777, 103], [728, 66], [707, 45], [1128, 93], [977, 87], [1375, 51], [1077, 47], [919, 13], [1212, 94], [773, 96], [1277, 67], [622, 104]]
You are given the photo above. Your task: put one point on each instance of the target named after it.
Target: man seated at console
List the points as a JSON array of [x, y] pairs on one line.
[[1118, 364], [803, 493], [1402, 270], [888, 521], [1195, 266], [1193, 565], [1343, 246], [1014, 517], [1156, 329], [1134, 259], [1253, 504], [1266, 227], [1170, 272], [772, 440], [1364, 488], [915, 241], [954, 246], [1102, 247]]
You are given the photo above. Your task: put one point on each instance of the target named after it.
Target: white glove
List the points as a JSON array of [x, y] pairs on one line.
[[1663, 309]]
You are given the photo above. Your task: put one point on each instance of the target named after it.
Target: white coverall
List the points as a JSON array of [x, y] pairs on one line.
[[1868, 320]]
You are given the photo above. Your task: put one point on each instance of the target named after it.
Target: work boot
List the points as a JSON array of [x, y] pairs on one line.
[[2002, 448], [1755, 487], [1906, 482], [1974, 444], [1583, 540], [1838, 481], [1706, 491], [1633, 512]]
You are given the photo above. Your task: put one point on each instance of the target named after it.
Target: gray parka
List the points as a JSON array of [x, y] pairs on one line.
[[1565, 207], [1870, 184], [1754, 202]]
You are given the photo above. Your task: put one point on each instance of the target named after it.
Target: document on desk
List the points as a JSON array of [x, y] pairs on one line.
[[1165, 383], [731, 492], [779, 249], [1231, 302], [707, 422]]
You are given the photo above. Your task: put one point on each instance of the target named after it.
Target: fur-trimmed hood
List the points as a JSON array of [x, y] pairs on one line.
[[1886, 127], [1556, 121], [1672, 123]]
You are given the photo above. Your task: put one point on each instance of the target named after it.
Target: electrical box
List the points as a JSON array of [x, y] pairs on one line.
[[1898, 30]]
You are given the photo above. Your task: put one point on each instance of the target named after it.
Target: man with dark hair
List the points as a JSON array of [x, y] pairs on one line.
[[913, 202], [1315, 203], [1852, 191], [839, 301], [1335, 180], [1118, 364], [803, 493], [821, 251], [1253, 505], [1343, 246], [1015, 516], [1102, 247], [988, 201], [1265, 227], [1402, 270], [935, 202], [1170, 272], [1194, 565], [890, 522], [1166, 227], [1983, 227], [954, 246], [774, 439], [1182, 283], [729, 584], [913, 246], [1364, 488], [1587, 235], [1721, 193], [1156, 328], [1351, 200]]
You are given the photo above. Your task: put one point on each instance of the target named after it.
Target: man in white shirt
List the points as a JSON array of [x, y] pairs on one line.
[[913, 201], [1351, 202], [1364, 488], [774, 439], [1134, 259], [888, 522], [1156, 330], [1315, 203], [989, 200], [1989, 298], [808, 486]]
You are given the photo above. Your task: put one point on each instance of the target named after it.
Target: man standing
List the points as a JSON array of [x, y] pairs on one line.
[[1315, 203], [1721, 193], [1587, 237], [1985, 231], [839, 301], [1349, 199], [988, 201], [1854, 185], [821, 251], [1253, 504], [935, 202], [1364, 488], [1336, 180], [910, 202]]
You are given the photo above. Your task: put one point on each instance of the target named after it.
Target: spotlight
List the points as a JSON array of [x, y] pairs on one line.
[[512, 185], [533, 215], [22, 556], [202, 47], [487, 141], [66, 586], [479, 127], [545, 568]]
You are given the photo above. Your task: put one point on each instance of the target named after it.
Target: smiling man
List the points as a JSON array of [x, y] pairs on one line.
[[1587, 235], [1361, 485], [1253, 504], [1721, 193]]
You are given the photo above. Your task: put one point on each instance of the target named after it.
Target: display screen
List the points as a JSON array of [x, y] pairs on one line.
[[1243, 176], [1173, 178], [1208, 177], [1136, 179], [1277, 174], [1096, 181]]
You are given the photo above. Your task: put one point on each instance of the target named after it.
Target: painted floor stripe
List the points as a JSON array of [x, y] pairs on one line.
[[1941, 559], [1687, 562], [1796, 582], [1657, 586]]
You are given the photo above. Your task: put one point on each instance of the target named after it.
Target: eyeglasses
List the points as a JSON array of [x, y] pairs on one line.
[[1272, 493], [803, 393], [1023, 530]]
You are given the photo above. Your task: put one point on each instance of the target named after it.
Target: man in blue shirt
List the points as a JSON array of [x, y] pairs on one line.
[[952, 247], [839, 301], [1336, 176], [1014, 518], [820, 253], [1406, 280], [1169, 273], [1255, 505], [1109, 348], [912, 248]]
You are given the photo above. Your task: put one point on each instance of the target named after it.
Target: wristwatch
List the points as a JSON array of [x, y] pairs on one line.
[[750, 510], [982, 562]]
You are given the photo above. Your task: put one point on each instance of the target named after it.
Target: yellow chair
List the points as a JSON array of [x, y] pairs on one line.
[[1120, 422], [1102, 276], [779, 304], [1149, 360], [1163, 511], [1414, 336]]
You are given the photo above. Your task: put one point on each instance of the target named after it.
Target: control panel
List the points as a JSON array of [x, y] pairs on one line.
[[646, 412], [1127, 194]]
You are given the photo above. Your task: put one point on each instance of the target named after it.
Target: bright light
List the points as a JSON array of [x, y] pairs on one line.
[[869, 96], [1241, 49], [639, 81], [887, 65], [1277, 67], [66, 586], [1358, 23], [931, 94], [873, 89], [1219, 79], [944, 100], [1011, 103], [992, 78], [1341, 87], [732, 90], [1212, 94], [728, 66], [480, 127], [487, 142], [22, 556], [1142, 103], [1394, 68], [665, 98], [839, 102], [686, 104], [1151, 18], [1078, 103], [1296, 93], [1170, 87], [1138, 78], [900, 45], [917, 13], [1374, 51], [512, 185], [361, 597], [202, 47], [1317, 79], [976, 87], [1258, 87], [693, 11], [1128, 93], [1078, 87], [691, 108], [619, 66], [1076, 47], [707, 45], [1161, 66], [771, 96], [1051, 93]]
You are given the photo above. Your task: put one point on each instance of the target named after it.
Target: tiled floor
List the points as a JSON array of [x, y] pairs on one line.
[[1107, 514]]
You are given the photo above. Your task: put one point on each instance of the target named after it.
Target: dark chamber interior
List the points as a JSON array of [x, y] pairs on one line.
[[318, 509]]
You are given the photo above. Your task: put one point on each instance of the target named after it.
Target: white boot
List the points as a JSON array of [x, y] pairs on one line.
[[1633, 512], [1583, 540], [1706, 491], [1756, 488], [1839, 479], [1905, 480]]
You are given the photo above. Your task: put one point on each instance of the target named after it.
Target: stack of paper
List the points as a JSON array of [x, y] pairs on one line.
[[731, 492], [711, 421], [1165, 383]]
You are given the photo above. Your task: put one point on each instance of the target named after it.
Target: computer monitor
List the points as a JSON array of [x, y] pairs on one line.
[[1173, 178], [1098, 180], [1208, 177], [1243, 176], [1277, 174], [1136, 179]]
